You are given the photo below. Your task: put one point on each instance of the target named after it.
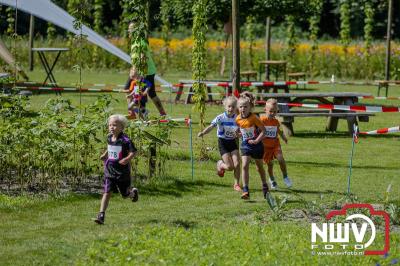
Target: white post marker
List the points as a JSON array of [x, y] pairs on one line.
[[354, 140]]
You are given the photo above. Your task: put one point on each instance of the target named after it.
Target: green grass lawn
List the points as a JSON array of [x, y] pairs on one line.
[[202, 221]]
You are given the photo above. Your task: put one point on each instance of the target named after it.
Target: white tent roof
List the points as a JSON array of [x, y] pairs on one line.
[[48, 11]]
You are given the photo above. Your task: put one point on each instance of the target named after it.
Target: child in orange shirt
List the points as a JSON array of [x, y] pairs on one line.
[[137, 89], [272, 147], [252, 130]]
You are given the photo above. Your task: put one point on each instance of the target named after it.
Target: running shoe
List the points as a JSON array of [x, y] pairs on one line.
[[134, 195], [245, 195], [273, 183], [287, 181], [100, 218]]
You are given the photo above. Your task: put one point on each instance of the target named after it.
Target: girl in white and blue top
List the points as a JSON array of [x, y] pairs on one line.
[[227, 131]]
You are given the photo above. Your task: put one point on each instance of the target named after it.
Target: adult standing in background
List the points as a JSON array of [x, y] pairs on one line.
[[151, 70]]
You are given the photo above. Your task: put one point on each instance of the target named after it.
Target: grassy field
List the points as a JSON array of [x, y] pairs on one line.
[[202, 221]]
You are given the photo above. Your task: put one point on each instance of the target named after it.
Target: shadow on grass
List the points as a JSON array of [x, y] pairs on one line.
[[337, 165], [322, 134], [328, 134], [184, 223], [176, 187], [303, 191]]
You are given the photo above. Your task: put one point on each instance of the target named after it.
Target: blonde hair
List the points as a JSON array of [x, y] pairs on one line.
[[271, 102], [120, 118], [247, 97], [229, 99], [133, 72]]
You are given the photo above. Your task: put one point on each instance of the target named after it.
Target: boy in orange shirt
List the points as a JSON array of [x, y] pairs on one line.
[[272, 146]]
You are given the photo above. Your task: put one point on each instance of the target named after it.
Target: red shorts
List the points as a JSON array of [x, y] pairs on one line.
[[271, 153]]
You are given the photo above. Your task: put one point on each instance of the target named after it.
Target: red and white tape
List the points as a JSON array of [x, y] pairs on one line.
[[67, 89], [378, 98], [356, 108], [382, 131], [279, 83]]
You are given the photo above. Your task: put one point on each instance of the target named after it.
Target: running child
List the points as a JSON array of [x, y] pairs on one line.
[[227, 140], [252, 130], [117, 175], [272, 146], [137, 89]]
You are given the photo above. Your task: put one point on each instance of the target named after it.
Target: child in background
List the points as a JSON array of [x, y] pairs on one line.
[[252, 130], [272, 146], [227, 140], [117, 175], [136, 88]]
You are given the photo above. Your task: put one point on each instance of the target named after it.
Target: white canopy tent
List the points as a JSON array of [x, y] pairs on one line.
[[50, 12]]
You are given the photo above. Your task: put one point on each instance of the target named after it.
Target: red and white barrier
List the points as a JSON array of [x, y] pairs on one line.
[[382, 131], [356, 108]]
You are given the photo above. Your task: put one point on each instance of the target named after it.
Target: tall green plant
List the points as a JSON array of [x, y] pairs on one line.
[[138, 40], [368, 28], [165, 29], [98, 22], [81, 11], [199, 63], [345, 23], [51, 32], [344, 31], [10, 20], [250, 37], [291, 38], [314, 20]]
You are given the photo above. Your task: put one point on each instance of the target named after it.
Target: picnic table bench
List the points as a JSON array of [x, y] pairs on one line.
[[384, 84], [347, 98]]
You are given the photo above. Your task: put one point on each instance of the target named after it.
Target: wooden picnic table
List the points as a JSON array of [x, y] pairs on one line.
[[347, 98], [260, 89], [279, 66], [384, 84]]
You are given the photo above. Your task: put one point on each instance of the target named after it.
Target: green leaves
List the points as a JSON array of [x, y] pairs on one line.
[[137, 13], [59, 143]]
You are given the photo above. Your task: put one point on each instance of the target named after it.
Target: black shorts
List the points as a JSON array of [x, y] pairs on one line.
[[227, 145], [152, 90], [115, 185], [255, 151]]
